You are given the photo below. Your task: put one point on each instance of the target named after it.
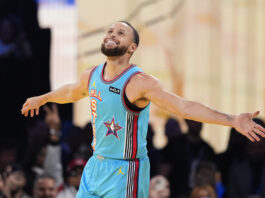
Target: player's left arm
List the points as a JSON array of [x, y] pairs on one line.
[[151, 89]]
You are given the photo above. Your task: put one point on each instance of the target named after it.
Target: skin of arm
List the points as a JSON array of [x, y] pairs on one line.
[[66, 94], [144, 88]]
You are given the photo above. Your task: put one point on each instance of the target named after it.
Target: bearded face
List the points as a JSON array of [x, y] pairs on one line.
[[113, 51], [118, 40]]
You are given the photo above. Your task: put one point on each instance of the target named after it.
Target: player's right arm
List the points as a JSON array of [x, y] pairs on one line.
[[66, 94]]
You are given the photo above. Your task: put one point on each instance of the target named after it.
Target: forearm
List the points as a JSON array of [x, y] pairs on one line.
[[191, 110], [203, 113], [62, 95]]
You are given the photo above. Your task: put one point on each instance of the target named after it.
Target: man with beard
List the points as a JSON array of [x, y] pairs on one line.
[[120, 95]]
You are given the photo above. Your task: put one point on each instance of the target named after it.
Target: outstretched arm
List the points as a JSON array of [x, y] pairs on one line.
[[66, 94], [151, 89]]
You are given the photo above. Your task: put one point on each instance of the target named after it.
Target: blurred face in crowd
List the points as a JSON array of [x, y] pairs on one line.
[[1, 183], [7, 157], [203, 192], [15, 181], [74, 177], [45, 188], [159, 187]]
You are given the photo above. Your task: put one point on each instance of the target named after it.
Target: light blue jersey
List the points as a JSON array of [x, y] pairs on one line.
[[118, 131], [119, 166]]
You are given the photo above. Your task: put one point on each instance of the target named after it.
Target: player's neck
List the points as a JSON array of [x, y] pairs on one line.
[[114, 66]]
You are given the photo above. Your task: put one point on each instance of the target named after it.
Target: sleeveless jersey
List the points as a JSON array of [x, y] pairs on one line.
[[118, 131]]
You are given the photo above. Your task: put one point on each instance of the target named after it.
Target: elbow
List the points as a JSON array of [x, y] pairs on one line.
[[71, 97]]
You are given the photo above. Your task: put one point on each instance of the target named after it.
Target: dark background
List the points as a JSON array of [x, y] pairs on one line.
[[23, 77]]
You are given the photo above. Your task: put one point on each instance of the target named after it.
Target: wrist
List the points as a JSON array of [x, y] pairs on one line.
[[45, 98], [231, 120]]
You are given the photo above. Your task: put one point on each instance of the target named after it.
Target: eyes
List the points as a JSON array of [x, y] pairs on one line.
[[120, 33]]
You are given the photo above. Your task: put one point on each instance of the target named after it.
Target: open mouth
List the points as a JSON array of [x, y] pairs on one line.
[[111, 43]]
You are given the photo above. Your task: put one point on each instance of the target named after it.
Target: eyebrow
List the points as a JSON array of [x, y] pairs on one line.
[[111, 28]]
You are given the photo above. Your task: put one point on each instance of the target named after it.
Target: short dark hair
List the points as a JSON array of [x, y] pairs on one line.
[[42, 176], [135, 32]]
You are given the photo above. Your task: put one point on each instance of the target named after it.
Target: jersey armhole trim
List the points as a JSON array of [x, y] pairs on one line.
[[123, 96], [90, 75]]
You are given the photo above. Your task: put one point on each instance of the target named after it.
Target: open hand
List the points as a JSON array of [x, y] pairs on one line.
[[32, 105], [247, 127]]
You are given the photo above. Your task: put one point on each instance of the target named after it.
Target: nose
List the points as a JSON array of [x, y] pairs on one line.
[[113, 34]]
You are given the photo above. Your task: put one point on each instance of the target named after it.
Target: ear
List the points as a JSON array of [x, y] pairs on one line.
[[132, 47]]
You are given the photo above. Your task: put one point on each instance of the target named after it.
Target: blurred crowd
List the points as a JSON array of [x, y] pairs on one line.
[[51, 164], [187, 167], [193, 170]]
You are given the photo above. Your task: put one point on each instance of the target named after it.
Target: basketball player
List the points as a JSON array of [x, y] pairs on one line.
[[120, 95]]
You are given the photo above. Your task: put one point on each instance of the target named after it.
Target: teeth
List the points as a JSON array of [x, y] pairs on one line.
[[110, 43]]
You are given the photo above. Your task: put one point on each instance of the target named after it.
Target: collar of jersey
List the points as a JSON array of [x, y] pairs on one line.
[[117, 77]]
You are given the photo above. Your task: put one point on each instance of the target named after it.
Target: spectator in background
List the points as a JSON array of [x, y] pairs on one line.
[[153, 153], [246, 177], [203, 192], [182, 154], [44, 156], [205, 174], [204, 179], [1, 185], [14, 182], [45, 187], [159, 187], [197, 149], [72, 178], [13, 42], [173, 133], [33, 165], [173, 129], [77, 143], [235, 150], [8, 153]]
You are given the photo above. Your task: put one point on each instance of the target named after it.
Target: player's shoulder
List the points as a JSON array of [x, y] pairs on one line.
[[143, 80], [87, 72]]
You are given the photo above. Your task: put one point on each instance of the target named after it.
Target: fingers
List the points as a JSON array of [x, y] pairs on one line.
[[24, 107], [259, 132], [261, 129], [26, 113], [254, 136], [255, 114], [31, 112], [25, 104], [37, 111], [250, 138]]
